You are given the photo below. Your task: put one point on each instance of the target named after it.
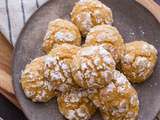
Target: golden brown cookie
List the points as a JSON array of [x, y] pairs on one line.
[[58, 67], [36, 87], [138, 61], [89, 13], [118, 100], [75, 105], [92, 67], [109, 37], [61, 31]]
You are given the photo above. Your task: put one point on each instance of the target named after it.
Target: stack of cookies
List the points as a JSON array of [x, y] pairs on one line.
[[85, 77]]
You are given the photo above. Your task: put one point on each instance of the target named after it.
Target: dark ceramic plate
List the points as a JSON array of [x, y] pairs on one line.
[[133, 21]]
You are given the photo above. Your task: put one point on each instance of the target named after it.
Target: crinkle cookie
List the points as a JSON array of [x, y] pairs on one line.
[[36, 87], [61, 31], [118, 100], [138, 61], [75, 105], [58, 67], [109, 37], [92, 67], [89, 13]]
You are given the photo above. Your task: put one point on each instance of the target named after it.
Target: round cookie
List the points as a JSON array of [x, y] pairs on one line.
[[92, 67], [61, 31], [75, 105], [109, 37], [138, 61], [36, 87], [58, 67], [118, 100], [89, 13]]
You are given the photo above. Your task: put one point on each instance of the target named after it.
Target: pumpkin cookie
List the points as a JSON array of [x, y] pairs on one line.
[[118, 100], [89, 13], [109, 37], [58, 67], [35, 85], [92, 67], [138, 61], [75, 105], [61, 31]]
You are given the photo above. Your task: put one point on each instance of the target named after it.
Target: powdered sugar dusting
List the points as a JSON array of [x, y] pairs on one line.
[[119, 77], [81, 113], [142, 63], [102, 37], [94, 50], [72, 98], [80, 76], [56, 75], [29, 93], [49, 60], [88, 51], [83, 1], [77, 114], [105, 33], [122, 106], [128, 58], [85, 19], [71, 114], [65, 36], [134, 100], [149, 48], [110, 87]]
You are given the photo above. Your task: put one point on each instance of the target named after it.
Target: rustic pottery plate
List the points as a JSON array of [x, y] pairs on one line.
[[133, 21]]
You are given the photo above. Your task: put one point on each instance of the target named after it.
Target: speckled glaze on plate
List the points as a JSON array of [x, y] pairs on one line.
[[133, 21]]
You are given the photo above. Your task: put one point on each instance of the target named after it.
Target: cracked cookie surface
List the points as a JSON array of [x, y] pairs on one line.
[[109, 37], [75, 105], [58, 67], [118, 100], [89, 13], [35, 85], [138, 61], [92, 67], [61, 31]]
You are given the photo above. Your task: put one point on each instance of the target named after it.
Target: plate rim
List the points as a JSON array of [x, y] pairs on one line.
[[16, 47], [13, 58]]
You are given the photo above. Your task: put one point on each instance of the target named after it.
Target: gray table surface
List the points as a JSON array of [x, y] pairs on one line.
[[8, 111]]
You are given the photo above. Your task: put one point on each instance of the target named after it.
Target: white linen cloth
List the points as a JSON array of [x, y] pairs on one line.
[[14, 14]]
